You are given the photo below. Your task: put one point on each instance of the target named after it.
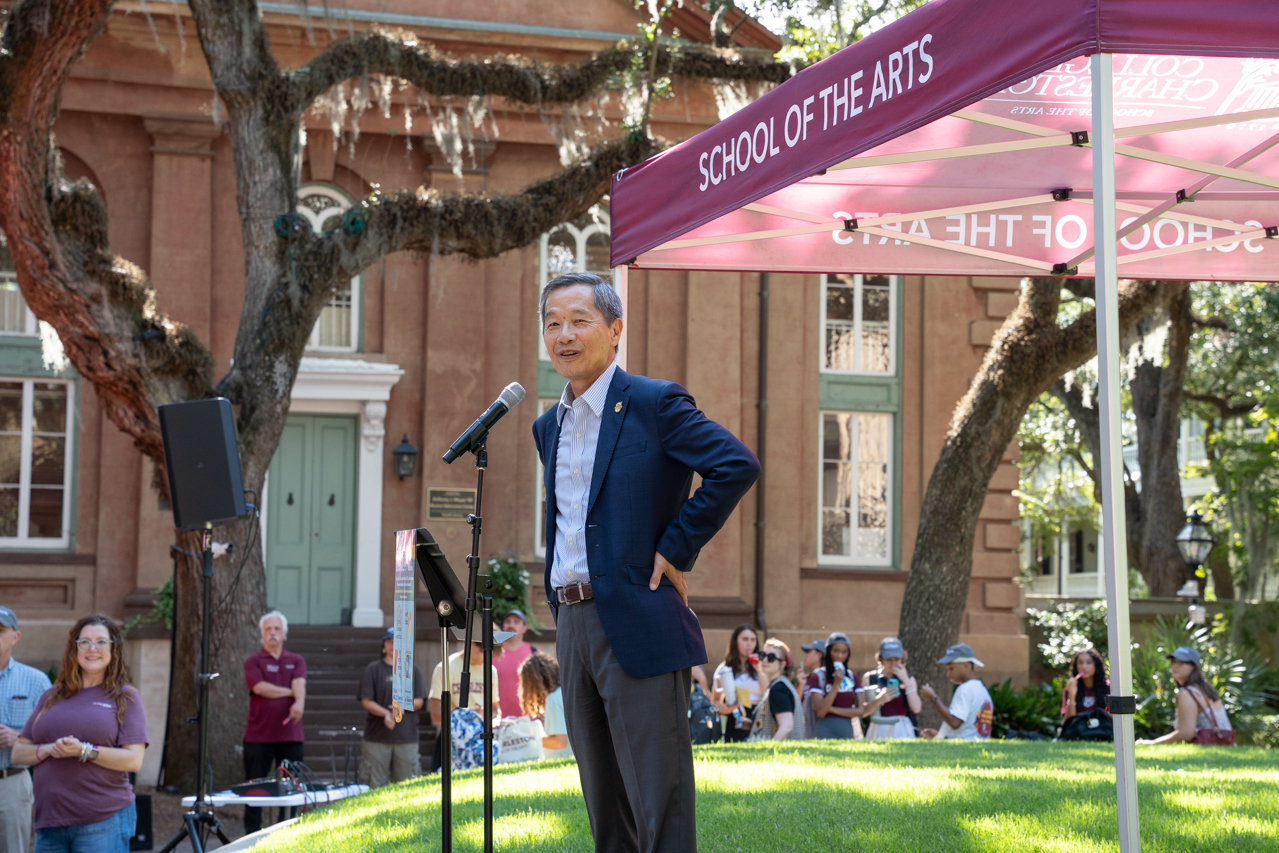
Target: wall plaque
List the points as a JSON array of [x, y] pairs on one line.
[[449, 504]]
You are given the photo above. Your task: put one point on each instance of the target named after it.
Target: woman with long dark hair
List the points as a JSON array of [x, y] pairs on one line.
[[1201, 718], [1087, 687], [87, 735], [739, 683], [835, 692]]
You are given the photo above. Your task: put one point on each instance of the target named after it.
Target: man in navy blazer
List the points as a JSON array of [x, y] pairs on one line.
[[621, 529]]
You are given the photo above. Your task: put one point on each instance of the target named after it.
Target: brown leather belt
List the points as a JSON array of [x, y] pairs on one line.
[[574, 593], [6, 772]]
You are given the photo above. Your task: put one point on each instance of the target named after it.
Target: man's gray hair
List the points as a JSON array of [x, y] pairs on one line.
[[607, 302], [275, 614]]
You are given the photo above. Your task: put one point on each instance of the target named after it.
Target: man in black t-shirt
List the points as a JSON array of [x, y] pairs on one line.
[[390, 750]]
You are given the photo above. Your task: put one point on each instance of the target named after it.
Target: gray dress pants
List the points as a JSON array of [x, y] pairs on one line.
[[631, 738]]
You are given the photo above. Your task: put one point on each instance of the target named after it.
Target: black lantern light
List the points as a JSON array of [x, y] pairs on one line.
[[405, 458], [1194, 542]]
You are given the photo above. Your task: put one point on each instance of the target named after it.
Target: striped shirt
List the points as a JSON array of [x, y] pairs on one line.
[[21, 686], [580, 420]]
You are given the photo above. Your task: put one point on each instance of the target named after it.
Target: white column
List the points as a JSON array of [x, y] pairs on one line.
[[1112, 488], [367, 612]]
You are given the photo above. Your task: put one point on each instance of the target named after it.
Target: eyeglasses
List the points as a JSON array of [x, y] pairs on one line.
[[97, 645]]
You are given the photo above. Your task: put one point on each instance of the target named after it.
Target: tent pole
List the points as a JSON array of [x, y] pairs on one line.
[[1114, 544], [620, 285]]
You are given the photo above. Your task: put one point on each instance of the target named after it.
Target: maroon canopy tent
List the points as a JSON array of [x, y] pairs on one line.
[[971, 138]]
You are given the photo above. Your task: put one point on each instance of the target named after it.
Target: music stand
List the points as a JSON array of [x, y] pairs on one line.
[[446, 595]]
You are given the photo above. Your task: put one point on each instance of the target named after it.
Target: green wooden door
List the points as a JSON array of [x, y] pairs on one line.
[[310, 550]]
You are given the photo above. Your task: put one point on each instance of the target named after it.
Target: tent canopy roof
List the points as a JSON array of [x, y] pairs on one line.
[[779, 184]]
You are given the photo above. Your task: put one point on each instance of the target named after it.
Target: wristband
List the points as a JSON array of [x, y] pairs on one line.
[[84, 751]]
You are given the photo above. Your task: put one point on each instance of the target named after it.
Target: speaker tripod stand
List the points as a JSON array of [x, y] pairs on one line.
[[199, 822]]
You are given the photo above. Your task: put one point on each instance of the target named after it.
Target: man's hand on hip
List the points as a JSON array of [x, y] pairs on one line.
[[662, 567]]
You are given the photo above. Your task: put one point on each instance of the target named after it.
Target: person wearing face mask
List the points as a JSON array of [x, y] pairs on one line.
[[778, 715], [836, 692], [896, 694], [88, 733]]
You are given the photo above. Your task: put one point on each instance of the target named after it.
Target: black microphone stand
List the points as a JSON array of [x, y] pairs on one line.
[[200, 820], [475, 519]]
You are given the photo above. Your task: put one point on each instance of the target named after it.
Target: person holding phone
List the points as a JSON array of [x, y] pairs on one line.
[[836, 692], [896, 693], [739, 684]]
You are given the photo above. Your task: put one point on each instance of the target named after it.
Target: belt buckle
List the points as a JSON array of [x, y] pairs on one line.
[[580, 598]]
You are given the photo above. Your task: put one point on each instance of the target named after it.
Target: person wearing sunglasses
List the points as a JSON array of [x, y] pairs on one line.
[[87, 735], [777, 717]]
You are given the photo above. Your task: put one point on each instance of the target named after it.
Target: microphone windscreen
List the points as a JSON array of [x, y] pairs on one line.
[[512, 394]]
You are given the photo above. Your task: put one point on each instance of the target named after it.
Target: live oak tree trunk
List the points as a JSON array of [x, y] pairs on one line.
[[1027, 354], [104, 308], [1153, 504]]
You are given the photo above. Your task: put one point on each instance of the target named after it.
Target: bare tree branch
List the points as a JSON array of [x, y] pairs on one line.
[[1225, 409]]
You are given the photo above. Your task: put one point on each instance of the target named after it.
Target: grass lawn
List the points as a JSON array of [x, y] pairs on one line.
[[828, 797]]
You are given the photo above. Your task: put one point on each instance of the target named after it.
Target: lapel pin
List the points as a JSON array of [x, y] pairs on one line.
[[617, 408]]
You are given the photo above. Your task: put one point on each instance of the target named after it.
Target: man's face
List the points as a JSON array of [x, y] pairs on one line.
[[8, 639], [272, 635], [388, 646], [958, 673], [580, 343], [514, 625]]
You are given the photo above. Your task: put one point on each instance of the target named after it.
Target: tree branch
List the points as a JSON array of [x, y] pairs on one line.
[[1209, 323], [481, 226], [1225, 409], [102, 306], [515, 78]]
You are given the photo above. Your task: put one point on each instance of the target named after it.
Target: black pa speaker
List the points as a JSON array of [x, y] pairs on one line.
[[203, 461]]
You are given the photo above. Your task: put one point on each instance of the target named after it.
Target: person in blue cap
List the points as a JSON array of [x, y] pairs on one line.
[[389, 750], [972, 712], [1201, 718]]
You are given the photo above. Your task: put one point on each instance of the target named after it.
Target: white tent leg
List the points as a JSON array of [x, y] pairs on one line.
[[1114, 543], [619, 284]]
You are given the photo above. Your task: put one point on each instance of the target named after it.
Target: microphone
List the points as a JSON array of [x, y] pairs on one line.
[[507, 400]]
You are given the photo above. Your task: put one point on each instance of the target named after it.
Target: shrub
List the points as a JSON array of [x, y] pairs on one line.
[[1242, 679], [510, 590], [1036, 708], [1069, 630]]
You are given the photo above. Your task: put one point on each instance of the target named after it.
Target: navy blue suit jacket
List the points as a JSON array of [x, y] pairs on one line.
[[639, 504]]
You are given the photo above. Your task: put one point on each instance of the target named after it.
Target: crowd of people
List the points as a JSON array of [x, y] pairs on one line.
[[68, 746], [762, 695]]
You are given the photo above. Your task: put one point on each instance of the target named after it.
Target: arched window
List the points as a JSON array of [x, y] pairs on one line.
[[15, 317], [577, 246], [338, 326]]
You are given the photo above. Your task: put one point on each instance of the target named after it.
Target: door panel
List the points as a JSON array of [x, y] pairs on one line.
[[333, 528], [288, 549], [311, 519]]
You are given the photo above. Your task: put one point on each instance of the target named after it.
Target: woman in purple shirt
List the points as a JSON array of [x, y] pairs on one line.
[[88, 733]]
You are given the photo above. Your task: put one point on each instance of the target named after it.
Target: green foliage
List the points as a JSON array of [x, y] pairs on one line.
[[1056, 490], [1069, 630], [819, 796], [1242, 678], [1036, 708], [510, 589], [161, 610], [814, 29]]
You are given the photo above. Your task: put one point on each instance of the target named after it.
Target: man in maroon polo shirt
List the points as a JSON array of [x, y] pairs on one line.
[[277, 697]]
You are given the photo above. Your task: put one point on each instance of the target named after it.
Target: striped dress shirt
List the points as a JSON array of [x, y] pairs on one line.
[[21, 686], [580, 420]]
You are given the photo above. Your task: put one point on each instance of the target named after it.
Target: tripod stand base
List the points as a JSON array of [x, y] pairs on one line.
[[191, 829]]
